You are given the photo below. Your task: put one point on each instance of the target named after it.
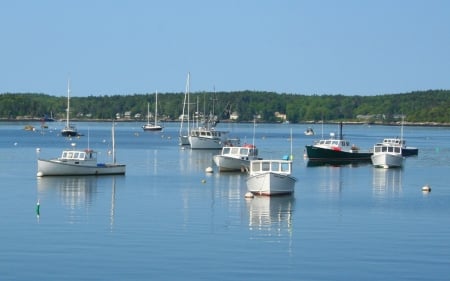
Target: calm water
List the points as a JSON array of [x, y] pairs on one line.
[[166, 219]]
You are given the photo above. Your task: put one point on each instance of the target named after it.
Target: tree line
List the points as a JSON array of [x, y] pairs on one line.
[[420, 106]]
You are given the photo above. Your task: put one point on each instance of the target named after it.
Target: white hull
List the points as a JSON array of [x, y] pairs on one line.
[[230, 164], [387, 160], [271, 184], [199, 142], [58, 168], [151, 127]]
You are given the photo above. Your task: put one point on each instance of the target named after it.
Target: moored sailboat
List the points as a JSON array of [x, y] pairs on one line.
[[69, 130]]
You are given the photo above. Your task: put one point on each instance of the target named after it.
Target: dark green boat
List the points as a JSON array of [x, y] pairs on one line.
[[336, 151]]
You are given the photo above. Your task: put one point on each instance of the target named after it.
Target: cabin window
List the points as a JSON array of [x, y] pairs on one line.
[[226, 150], [266, 166], [256, 166], [244, 151], [234, 150], [275, 166], [285, 167]]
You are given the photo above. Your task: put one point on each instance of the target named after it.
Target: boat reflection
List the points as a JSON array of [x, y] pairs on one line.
[[272, 214], [72, 191], [196, 160], [387, 182], [310, 163]]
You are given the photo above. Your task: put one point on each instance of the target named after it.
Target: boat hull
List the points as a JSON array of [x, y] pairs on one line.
[[58, 168], [387, 160], [152, 128], [231, 164], [198, 142], [271, 184], [410, 151], [331, 155]]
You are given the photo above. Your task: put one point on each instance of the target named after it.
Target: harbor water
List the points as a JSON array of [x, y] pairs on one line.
[[167, 219]]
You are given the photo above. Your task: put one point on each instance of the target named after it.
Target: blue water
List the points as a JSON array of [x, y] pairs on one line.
[[167, 219]]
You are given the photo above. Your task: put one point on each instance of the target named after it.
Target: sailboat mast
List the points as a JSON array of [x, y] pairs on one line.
[[68, 103], [156, 108], [113, 144], [188, 82]]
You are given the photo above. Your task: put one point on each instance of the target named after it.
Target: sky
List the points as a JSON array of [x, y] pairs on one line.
[[308, 47]]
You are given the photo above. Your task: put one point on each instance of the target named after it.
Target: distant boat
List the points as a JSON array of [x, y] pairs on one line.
[[334, 150], [387, 156], [205, 135], [183, 135], [79, 162], [309, 132], [69, 130], [236, 158], [149, 126], [271, 177]]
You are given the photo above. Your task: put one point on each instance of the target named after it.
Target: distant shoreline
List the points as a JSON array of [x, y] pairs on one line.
[[419, 124]]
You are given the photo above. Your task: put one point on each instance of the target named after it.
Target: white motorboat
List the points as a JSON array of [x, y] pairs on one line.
[[149, 126], [79, 162], [387, 156], [270, 177], [69, 130], [236, 158]]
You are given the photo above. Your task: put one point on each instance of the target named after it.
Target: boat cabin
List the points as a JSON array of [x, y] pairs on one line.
[[272, 166], [241, 152], [381, 148], [394, 142], [71, 155]]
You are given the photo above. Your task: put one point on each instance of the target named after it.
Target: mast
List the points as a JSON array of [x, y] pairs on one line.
[[113, 144], [68, 103], [156, 108], [188, 82]]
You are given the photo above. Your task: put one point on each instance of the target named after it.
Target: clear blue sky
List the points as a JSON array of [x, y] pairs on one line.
[[106, 47]]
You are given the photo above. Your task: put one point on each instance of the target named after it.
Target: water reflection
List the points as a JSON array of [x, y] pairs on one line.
[[196, 160], [271, 214], [72, 191], [387, 181]]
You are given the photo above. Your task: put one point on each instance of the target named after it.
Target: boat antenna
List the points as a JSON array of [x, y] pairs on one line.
[[113, 143], [291, 157], [401, 130], [254, 129]]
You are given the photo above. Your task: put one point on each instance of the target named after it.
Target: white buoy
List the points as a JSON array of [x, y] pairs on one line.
[[203, 181], [38, 149], [209, 170], [426, 188], [39, 174], [249, 195], [73, 144]]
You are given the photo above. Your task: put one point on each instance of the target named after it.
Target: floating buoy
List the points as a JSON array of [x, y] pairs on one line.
[[38, 207], [39, 174], [38, 149], [73, 144], [249, 195], [426, 188], [16, 143], [209, 170], [203, 181]]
